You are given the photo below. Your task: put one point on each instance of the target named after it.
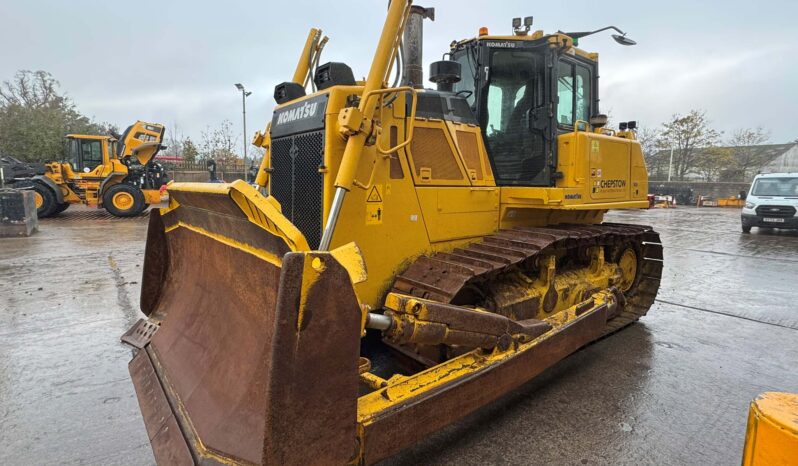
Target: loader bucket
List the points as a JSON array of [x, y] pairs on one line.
[[255, 360]]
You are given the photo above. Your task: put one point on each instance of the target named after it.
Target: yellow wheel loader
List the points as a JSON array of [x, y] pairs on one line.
[[118, 174], [408, 256]]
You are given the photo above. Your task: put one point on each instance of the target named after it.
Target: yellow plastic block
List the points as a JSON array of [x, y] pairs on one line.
[[772, 437]]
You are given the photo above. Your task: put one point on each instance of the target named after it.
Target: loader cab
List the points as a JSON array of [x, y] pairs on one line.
[[524, 93], [87, 155]]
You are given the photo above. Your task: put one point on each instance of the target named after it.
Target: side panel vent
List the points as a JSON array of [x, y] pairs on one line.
[[432, 155], [470, 151]]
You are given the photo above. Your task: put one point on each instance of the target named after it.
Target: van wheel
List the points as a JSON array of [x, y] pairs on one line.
[[124, 200], [44, 199], [746, 229]]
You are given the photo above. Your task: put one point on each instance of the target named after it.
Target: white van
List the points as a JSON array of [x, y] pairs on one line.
[[772, 202]]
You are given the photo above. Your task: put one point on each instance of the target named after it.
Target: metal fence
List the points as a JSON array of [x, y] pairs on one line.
[[198, 171]]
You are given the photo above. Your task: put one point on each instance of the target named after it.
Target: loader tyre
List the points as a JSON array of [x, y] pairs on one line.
[[61, 207], [124, 200], [46, 204]]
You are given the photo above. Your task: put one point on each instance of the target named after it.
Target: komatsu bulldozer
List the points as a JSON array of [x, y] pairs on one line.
[[115, 173], [407, 256]]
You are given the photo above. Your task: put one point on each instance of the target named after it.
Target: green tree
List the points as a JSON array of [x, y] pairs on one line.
[[190, 152], [35, 116], [687, 135]]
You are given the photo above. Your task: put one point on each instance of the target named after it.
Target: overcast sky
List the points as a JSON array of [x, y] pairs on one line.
[[176, 62]]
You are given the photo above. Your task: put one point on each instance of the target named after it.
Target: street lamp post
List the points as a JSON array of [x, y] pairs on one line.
[[670, 165], [244, 95]]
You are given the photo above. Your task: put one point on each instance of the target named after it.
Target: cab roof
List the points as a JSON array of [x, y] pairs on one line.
[[90, 136], [557, 39]]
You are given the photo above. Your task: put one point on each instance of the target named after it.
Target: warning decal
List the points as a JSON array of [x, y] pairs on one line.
[[373, 214], [375, 194]]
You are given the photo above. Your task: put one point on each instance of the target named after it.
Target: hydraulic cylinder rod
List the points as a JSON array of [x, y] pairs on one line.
[[397, 14], [305, 60]]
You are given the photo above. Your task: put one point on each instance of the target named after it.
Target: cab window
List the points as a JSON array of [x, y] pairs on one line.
[[515, 88], [573, 93], [111, 149], [468, 70], [92, 154], [73, 153]]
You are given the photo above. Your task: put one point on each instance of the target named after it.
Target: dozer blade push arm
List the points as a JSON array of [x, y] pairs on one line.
[[419, 321], [263, 140], [380, 66]]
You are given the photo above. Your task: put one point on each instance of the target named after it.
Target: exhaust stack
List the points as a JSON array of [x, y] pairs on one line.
[[413, 43]]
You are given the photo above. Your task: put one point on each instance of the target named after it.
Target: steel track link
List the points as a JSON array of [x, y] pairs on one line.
[[445, 277]]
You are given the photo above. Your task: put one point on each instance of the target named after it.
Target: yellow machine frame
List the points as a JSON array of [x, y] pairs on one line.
[[142, 141], [421, 212], [242, 364]]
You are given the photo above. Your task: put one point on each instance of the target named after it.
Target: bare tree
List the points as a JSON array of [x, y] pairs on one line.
[[174, 140], [32, 89], [649, 139], [687, 135], [714, 161], [748, 151], [219, 143]]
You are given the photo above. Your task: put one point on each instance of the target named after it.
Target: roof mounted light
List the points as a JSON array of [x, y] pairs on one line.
[[522, 29]]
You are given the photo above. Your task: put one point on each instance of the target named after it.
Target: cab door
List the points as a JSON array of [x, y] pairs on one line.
[[92, 157]]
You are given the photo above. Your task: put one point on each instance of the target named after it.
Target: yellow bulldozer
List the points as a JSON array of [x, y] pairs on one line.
[[407, 256], [116, 173]]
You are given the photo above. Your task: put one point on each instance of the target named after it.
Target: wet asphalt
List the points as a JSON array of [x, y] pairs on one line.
[[673, 389]]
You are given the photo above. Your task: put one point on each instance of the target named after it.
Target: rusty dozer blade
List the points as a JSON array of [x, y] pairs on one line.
[[251, 353], [257, 352]]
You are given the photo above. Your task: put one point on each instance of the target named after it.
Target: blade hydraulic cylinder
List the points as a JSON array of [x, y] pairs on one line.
[[386, 48]]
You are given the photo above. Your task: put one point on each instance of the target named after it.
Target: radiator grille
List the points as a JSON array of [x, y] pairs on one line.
[[775, 211], [296, 183]]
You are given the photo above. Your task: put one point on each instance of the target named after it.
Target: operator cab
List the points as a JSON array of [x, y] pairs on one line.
[[524, 91], [86, 153]]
